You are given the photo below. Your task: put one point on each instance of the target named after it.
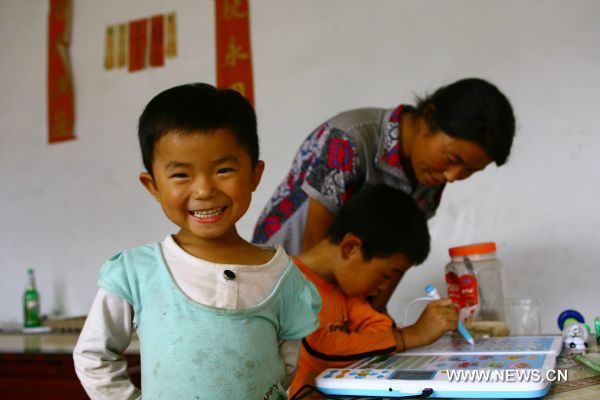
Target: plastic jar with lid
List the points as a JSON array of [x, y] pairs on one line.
[[474, 282]]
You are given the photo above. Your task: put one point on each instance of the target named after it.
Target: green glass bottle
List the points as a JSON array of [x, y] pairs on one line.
[[31, 304]]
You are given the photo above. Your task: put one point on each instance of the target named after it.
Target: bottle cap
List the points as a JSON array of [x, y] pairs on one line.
[[470, 249], [431, 291], [569, 315]]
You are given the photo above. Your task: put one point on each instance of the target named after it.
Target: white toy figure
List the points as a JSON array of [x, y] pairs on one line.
[[575, 336], [574, 330]]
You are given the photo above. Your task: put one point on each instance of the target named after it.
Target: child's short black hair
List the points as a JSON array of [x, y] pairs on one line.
[[387, 220], [472, 109], [197, 107]]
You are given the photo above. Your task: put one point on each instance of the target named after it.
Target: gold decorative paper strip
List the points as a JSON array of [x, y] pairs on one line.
[[171, 35], [121, 45], [109, 48]]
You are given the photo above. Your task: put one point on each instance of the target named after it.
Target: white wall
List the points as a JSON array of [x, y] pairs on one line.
[[66, 207]]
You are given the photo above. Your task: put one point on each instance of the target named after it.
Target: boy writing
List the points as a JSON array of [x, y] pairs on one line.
[[377, 236], [217, 317]]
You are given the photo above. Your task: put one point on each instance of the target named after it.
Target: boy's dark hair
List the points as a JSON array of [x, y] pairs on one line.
[[472, 109], [387, 220], [197, 107]]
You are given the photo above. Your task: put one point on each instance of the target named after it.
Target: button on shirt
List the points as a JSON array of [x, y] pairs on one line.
[[226, 286]]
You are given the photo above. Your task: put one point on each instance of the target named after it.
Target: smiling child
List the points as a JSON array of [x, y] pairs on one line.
[[217, 317]]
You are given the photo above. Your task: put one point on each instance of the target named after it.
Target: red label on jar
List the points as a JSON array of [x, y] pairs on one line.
[[462, 290]]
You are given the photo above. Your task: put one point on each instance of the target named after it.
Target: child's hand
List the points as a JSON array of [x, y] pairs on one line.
[[438, 317]]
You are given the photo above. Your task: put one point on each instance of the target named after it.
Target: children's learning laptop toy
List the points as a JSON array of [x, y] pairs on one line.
[[492, 368]]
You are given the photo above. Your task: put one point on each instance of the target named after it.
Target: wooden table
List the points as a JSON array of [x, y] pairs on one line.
[[40, 366]]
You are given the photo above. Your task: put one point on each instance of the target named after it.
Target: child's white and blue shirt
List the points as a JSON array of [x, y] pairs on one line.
[[206, 330]]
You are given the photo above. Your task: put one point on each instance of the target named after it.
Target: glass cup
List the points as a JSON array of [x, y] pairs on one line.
[[523, 316]]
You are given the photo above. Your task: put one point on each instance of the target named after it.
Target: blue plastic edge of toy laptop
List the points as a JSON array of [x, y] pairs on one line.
[[440, 394]]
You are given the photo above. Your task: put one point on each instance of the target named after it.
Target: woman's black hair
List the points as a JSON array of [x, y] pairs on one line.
[[472, 109]]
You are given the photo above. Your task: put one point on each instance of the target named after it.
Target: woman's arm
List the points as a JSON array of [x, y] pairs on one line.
[[318, 222]]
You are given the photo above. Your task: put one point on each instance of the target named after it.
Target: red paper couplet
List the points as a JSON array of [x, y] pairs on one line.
[[138, 43], [61, 109], [157, 47], [234, 58]]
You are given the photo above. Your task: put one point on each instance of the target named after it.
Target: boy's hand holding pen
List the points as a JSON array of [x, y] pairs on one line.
[[438, 317], [432, 292]]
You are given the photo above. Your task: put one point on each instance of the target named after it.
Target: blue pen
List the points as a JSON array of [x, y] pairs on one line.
[[432, 292]]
